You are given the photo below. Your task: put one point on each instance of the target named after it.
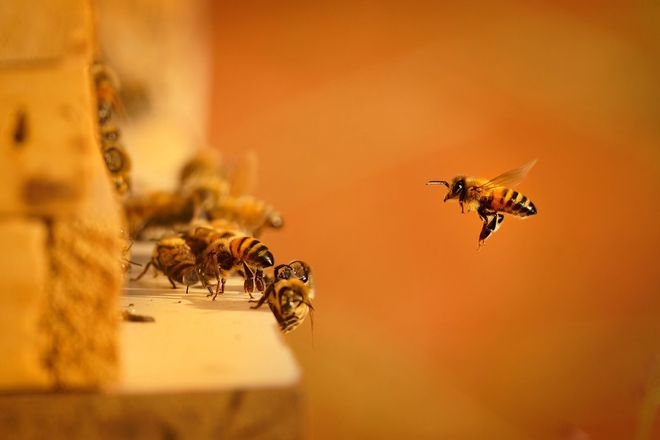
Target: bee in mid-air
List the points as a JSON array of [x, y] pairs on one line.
[[490, 198], [173, 257]]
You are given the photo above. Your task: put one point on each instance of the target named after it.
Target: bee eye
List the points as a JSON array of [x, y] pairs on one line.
[[458, 186]]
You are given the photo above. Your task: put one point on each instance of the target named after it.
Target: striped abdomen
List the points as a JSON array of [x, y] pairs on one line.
[[202, 236], [174, 258], [252, 251], [509, 201]]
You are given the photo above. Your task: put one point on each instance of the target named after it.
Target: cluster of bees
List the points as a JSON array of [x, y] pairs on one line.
[[207, 230], [109, 108]]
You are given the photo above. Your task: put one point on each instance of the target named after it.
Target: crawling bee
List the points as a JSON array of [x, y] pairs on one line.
[[219, 254], [173, 257], [290, 301], [490, 198]]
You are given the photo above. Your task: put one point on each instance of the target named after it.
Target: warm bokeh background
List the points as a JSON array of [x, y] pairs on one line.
[[551, 330]]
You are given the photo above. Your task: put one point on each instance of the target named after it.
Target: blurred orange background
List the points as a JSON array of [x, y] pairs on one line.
[[552, 330]]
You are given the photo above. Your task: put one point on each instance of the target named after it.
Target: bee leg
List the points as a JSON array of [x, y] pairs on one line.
[[260, 303], [171, 282], [143, 272], [248, 286], [187, 287], [220, 288], [205, 283], [259, 280], [489, 227]]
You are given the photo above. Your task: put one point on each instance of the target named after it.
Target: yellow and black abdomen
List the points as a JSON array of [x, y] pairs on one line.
[[509, 201], [173, 257], [252, 251]]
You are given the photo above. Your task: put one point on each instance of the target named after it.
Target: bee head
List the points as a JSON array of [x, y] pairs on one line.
[[456, 187], [296, 269]]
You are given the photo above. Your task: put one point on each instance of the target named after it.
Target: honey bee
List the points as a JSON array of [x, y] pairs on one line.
[[490, 198], [250, 213], [110, 134], [107, 84], [290, 301], [116, 159], [222, 253], [296, 270], [173, 257], [203, 182], [119, 165], [157, 209]]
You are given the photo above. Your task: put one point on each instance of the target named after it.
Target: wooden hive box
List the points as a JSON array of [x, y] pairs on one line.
[[59, 218]]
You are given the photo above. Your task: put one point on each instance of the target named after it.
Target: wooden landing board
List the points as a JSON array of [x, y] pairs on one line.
[[202, 369], [199, 344]]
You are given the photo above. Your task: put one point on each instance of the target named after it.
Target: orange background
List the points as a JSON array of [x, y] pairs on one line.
[[552, 329]]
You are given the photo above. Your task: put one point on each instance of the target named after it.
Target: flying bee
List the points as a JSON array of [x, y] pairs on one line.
[[490, 198], [221, 253], [173, 257], [289, 300]]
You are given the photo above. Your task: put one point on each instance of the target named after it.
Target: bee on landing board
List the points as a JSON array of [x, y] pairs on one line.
[[290, 294], [490, 198], [173, 257], [296, 270], [289, 300], [220, 254]]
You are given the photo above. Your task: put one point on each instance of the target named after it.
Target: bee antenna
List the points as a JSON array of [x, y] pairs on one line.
[[438, 182]]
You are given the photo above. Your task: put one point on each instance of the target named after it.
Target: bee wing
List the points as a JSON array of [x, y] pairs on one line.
[[511, 177]]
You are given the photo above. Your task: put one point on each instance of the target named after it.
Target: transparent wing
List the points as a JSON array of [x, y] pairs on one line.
[[511, 177]]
